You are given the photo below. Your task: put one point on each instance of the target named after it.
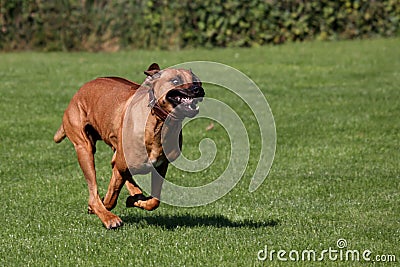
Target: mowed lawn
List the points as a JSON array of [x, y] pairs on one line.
[[336, 173]]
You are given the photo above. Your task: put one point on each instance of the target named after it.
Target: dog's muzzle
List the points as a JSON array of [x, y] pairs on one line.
[[185, 100], [197, 90]]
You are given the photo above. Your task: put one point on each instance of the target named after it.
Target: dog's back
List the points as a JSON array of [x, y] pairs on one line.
[[100, 98]]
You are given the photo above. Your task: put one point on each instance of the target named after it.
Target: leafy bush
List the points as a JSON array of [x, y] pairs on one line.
[[110, 25]]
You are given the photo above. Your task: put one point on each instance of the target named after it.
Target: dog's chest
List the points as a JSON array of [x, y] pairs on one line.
[[154, 144], [162, 144]]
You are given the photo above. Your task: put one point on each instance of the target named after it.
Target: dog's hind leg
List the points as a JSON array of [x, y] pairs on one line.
[[86, 161], [84, 144]]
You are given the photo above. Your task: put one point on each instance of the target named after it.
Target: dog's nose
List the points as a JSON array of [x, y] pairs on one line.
[[198, 91]]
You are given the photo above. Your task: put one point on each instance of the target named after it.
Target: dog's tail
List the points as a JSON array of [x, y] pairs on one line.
[[60, 134]]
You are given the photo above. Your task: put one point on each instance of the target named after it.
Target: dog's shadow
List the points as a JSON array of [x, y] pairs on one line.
[[172, 222]]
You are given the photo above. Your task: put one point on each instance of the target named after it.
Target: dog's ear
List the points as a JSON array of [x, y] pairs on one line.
[[153, 69]]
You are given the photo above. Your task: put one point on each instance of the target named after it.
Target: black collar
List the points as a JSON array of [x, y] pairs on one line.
[[156, 109]]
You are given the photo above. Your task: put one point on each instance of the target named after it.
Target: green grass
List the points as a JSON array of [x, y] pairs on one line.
[[336, 171]]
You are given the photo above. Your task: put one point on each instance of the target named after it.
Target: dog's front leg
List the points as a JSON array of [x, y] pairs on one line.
[[133, 188], [157, 179], [114, 188]]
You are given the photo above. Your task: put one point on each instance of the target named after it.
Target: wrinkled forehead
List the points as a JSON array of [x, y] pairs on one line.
[[182, 75]]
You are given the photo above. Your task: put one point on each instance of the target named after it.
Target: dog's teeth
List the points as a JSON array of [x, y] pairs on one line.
[[186, 100]]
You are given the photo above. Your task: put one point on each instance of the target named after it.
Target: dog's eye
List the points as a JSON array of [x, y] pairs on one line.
[[175, 81]]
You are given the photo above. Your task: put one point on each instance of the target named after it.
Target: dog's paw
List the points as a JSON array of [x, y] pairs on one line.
[[112, 222], [132, 200], [149, 204], [142, 202]]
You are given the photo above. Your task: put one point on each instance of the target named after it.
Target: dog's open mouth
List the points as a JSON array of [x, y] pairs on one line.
[[185, 101]]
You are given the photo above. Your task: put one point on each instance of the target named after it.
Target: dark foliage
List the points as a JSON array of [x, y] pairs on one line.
[[95, 25]]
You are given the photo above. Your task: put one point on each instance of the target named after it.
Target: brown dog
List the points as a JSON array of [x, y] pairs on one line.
[[141, 123]]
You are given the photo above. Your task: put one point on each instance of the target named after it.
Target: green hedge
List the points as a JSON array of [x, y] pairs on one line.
[[110, 25]]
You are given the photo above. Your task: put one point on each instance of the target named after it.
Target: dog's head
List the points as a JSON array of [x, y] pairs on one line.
[[176, 90]]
